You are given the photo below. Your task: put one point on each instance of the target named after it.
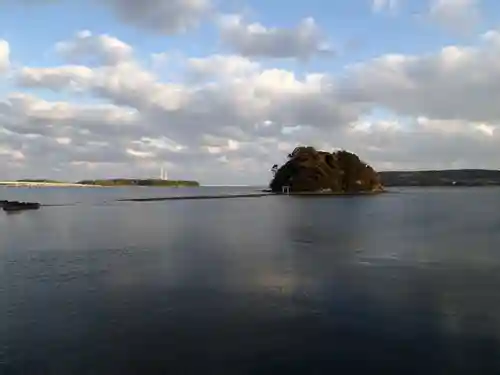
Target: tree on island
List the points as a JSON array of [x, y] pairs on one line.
[[274, 169], [309, 170]]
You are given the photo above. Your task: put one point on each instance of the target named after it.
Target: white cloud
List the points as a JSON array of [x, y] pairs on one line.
[[221, 67], [4, 55], [227, 119], [73, 77], [232, 99], [239, 93], [104, 49], [426, 143], [458, 82], [384, 5], [27, 114], [459, 15], [256, 40]]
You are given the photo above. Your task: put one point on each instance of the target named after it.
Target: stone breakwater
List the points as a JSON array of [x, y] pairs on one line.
[[249, 195]]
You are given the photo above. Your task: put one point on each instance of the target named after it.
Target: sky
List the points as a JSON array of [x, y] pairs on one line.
[[220, 90]]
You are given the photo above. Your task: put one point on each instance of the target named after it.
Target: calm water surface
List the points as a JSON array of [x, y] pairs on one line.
[[406, 282]]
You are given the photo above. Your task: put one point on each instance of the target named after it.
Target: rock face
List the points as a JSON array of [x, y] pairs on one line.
[[309, 170]]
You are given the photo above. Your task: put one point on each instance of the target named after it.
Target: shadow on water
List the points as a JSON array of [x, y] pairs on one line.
[[230, 287]]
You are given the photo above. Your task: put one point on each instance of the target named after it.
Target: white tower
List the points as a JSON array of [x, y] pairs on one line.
[[163, 173]]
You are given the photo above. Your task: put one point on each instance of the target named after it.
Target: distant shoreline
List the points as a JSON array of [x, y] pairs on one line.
[[119, 182], [43, 184], [116, 182], [422, 178], [441, 178]]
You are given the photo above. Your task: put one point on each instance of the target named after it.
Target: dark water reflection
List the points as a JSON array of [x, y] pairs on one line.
[[401, 283]]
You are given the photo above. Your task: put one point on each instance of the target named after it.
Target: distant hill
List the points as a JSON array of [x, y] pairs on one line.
[[451, 177], [139, 182], [41, 180]]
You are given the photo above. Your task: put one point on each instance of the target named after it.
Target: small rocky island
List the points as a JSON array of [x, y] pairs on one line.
[[310, 171]]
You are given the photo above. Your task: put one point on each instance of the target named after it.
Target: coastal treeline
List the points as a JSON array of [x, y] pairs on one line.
[[458, 177], [141, 182], [30, 180]]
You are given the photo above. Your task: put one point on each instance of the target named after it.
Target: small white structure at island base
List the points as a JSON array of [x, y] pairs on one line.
[[285, 189]]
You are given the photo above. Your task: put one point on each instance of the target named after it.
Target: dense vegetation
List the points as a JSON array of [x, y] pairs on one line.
[[309, 170], [41, 181], [458, 177], [139, 182]]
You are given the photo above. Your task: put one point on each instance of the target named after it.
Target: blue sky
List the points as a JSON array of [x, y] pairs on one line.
[[444, 79], [31, 29]]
